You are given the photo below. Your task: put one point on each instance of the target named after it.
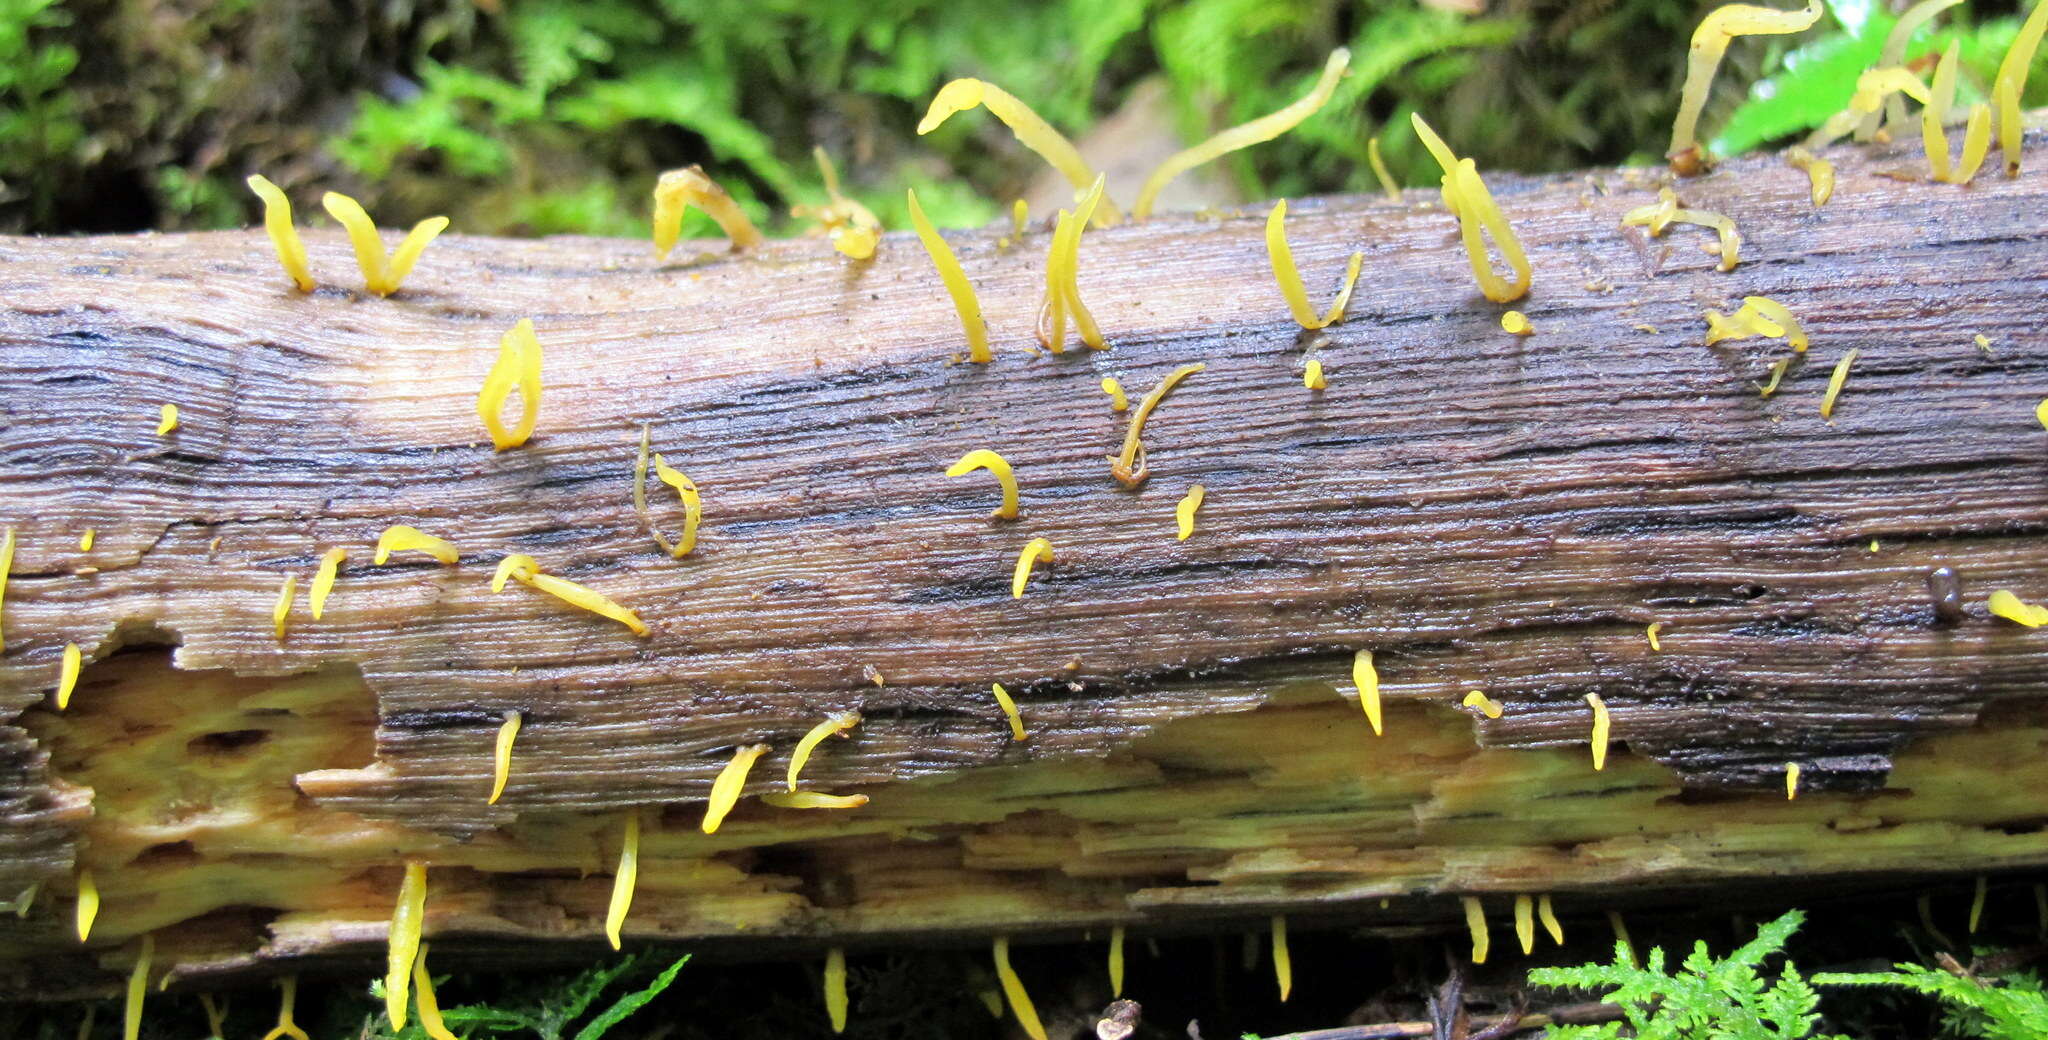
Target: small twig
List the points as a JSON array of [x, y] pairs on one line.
[[1573, 1014]]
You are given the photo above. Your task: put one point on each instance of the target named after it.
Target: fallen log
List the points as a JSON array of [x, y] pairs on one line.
[[1479, 510]]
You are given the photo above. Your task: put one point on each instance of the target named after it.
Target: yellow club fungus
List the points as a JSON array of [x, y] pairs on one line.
[[1367, 679], [1650, 634], [501, 755], [6, 565], [1778, 368], [1600, 730], [138, 986], [992, 999], [2011, 83], [1036, 551], [835, 988], [2040, 416], [1288, 275], [403, 944], [725, 790], [957, 285], [401, 538], [1525, 924], [814, 800], [527, 571], [1116, 961], [1117, 401], [1466, 196], [1620, 929], [1835, 381], [1283, 962], [67, 675], [1977, 902], [277, 219], [1020, 214], [518, 364], [623, 879], [1547, 914], [323, 580], [1516, 323], [1031, 131], [1184, 510], [999, 468], [678, 190], [1487, 706], [1062, 284], [85, 541], [1791, 780], [2016, 610], [287, 1005], [282, 612], [852, 227], [1009, 706], [1934, 118], [423, 997], [1475, 922], [1820, 173], [691, 499], [166, 420], [1013, 988], [1312, 375], [1128, 466], [1894, 54], [88, 908], [835, 725], [382, 272], [1774, 314], [1873, 88], [1925, 905], [1703, 59], [1379, 169], [1666, 211], [1244, 135]]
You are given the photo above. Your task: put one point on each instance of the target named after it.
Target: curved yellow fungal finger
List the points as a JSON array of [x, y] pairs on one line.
[[1791, 780], [1835, 381], [67, 675], [166, 419], [677, 190], [517, 565], [88, 908], [856, 243], [623, 879], [1312, 375], [955, 279], [287, 1003], [1703, 59], [518, 364], [277, 220], [1466, 196], [690, 497], [382, 273], [402, 538], [1475, 922], [835, 988], [2040, 416], [1730, 240], [1244, 135], [725, 790], [283, 610], [527, 570], [1487, 706], [1650, 634], [408, 252], [2014, 609], [6, 565], [1013, 988], [1525, 924], [835, 725], [1283, 962], [1037, 550], [1601, 725], [1367, 679], [2006, 96], [1288, 275], [2011, 83], [814, 800], [501, 755], [323, 580], [1655, 215], [1894, 53], [1070, 268], [1009, 706], [1976, 144], [403, 944], [1621, 940], [1775, 314], [1941, 94], [640, 495], [1778, 368], [1548, 915], [1027, 126], [1820, 173], [1925, 904], [1128, 466], [999, 468], [1379, 169], [1052, 307], [1976, 902], [1516, 323], [138, 987], [423, 997], [1184, 511], [1117, 401], [85, 541], [1116, 961]]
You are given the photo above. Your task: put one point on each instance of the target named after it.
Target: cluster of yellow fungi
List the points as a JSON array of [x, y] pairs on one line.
[[382, 272]]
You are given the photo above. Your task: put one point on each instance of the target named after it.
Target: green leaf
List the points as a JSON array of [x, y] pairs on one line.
[[630, 1003]]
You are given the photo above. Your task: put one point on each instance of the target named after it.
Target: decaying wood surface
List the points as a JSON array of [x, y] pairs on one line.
[[1480, 510]]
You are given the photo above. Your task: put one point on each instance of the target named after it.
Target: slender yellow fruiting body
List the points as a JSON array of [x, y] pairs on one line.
[[686, 493], [725, 790], [1525, 924], [835, 725], [2040, 416], [1466, 196], [1925, 904], [403, 944], [88, 908], [814, 800], [1184, 511], [1312, 375], [1873, 88], [1475, 922], [999, 468], [517, 565], [1128, 466], [138, 986], [1117, 401], [1703, 59], [1941, 94], [401, 538], [527, 570], [1487, 706], [67, 675], [1013, 988], [1281, 255], [1666, 211], [623, 879], [1020, 213], [2010, 607], [1244, 135], [277, 220], [287, 1003], [1009, 706], [323, 580], [1367, 679], [518, 364], [1835, 381], [382, 273], [423, 997], [1379, 169], [1791, 780], [2011, 83], [1116, 961], [677, 190], [1894, 53], [1778, 368], [501, 756], [1600, 730], [166, 420], [1062, 285], [1516, 323], [1650, 633], [282, 612], [85, 541], [1037, 550], [835, 988], [1775, 314], [1620, 928], [852, 227], [1031, 131], [1283, 962], [6, 565], [2006, 96], [1548, 915], [955, 279], [1820, 173]]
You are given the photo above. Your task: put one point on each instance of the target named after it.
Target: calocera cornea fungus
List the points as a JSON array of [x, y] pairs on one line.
[[1620, 929], [1601, 724], [1778, 368], [405, 538], [853, 228], [2040, 416], [138, 987], [67, 675], [382, 272], [2011, 83], [1116, 961], [1934, 117], [1013, 989], [1892, 54], [1466, 196], [1036, 551], [1525, 923], [1283, 962], [623, 879], [282, 611], [1650, 634], [166, 420], [284, 237], [518, 364], [1487, 706], [1128, 465], [1835, 382], [1977, 897], [1312, 375], [1367, 679], [1703, 58], [6, 566], [1244, 135], [2016, 610], [1379, 169], [1475, 922], [1009, 706], [678, 190], [835, 988], [999, 468], [813, 800], [1281, 255], [725, 790], [1873, 88], [403, 943], [87, 909], [1666, 211], [834, 725], [527, 570], [1791, 780], [323, 580], [287, 1003], [1117, 401], [1184, 510], [1031, 130], [1820, 173], [686, 492], [85, 541], [1062, 279], [501, 754], [957, 286], [1925, 906], [1515, 323], [1547, 914], [423, 998]]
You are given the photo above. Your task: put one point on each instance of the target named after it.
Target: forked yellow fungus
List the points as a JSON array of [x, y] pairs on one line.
[[323, 580], [1873, 88], [1835, 381], [1475, 922], [624, 879], [1013, 988], [423, 997], [67, 675], [382, 272], [402, 538], [1128, 466], [725, 790], [1036, 551], [282, 612], [88, 907], [1620, 928], [6, 565], [518, 364], [1650, 634], [813, 800], [1367, 679], [1516, 323], [287, 1004], [835, 988], [678, 190], [501, 755], [85, 541], [1312, 375], [1466, 196], [1666, 212], [835, 725], [1244, 135], [1894, 54], [2016, 610], [403, 944], [1116, 961], [138, 986], [1184, 511], [999, 468], [2011, 83], [527, 571], [1487, 706], [1600, 730], [277, 219], [1791, 780], [1703, 59], [1820, 173], [1062, 285], [1525, 924], [1117, 401], [1283, 962], [1281, 255], [166, 420], [1379, 169], [955, 279], [1548, 915], [1934, 119], [1977, 902], [1009, 706], [1031, 130]]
